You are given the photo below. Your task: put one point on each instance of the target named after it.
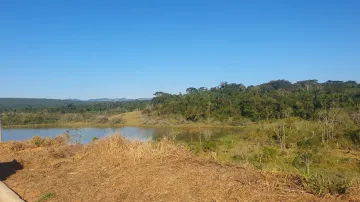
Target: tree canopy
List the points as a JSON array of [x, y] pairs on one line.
[[273, 100]]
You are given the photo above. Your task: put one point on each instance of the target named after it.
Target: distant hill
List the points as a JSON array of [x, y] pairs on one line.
[[20, 103], [114, 99]]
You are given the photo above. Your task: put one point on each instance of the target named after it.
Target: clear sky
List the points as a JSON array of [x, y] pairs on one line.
[[94, 49]]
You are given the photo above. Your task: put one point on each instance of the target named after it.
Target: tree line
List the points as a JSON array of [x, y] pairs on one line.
[[76, 107], [90, 112], [273, 100]]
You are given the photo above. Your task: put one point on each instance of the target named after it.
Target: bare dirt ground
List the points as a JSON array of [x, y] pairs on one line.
[[114, 169]]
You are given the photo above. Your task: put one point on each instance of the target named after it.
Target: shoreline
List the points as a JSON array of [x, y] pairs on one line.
[[84, 125]]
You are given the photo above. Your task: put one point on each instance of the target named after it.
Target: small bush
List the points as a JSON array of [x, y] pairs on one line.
[[94, 139], [269, 154], [37, 141], [239, 158], [355, 137], [340, 187], [319, 185], [46, 197], [308, 143], [315, 184], [209, 146]]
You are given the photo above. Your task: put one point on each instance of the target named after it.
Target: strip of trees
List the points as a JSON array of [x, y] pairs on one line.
[[273, 100], [96, 112]]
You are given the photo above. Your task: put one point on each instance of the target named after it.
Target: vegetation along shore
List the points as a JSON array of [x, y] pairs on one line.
[[298, 140]]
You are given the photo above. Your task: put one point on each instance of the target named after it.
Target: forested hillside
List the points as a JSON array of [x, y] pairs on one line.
[[20, 103], [273, 100]]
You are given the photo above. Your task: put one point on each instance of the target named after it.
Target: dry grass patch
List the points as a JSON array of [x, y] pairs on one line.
[[116, 169]]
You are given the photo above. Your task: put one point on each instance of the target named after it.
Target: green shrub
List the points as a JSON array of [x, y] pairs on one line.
[[319, 185], [355, 137], [238, 158], [194, 147], [269, 154], [308, 143], [206, 146], [209, 146], [94, 139], [315, 184], [46, 197], [340, 187], [37, 141]]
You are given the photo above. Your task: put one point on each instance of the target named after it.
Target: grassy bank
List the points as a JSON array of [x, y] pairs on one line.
[[291, 146], [104, 121], [95, 125], [325, 152]]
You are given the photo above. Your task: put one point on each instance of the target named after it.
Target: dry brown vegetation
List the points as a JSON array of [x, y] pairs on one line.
[[115, 169]]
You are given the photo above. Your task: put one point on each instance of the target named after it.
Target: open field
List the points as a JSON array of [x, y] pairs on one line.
[[114, 169]]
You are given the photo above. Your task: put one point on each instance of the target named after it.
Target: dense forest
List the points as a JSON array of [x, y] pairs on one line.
[[273, 100]]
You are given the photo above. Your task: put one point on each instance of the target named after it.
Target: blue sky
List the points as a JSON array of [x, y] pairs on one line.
[[94, 49]]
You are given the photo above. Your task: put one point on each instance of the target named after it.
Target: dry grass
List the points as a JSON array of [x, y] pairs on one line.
[[132, 118], [115, 169], [117, 147]]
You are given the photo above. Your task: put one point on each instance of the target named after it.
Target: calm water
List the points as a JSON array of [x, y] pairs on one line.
[[85, 135]]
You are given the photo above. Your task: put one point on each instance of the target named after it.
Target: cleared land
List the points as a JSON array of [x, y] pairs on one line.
[[114, 169]]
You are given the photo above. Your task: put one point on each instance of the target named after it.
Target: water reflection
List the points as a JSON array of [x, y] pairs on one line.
[[85, 135]]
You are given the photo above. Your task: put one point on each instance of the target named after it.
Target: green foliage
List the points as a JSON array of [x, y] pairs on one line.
[[315, 184], [96, 112], [209, 146], [305, 153], [319, 185], [308, 143], [33, 103], [46, 197], [235, 103], [37, 141], [340, 187], [269, 154], [205, 146], [305, 158], [94, 139], [355, 137]]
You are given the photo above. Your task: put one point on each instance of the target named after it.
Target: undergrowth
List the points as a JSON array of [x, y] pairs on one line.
[[320, 185], [327, 166], [46, 197]]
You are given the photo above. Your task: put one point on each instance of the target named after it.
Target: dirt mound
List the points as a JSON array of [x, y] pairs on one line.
[[115, 169]]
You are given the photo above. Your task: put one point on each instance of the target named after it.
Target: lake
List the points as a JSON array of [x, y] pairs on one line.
[[85, 135]]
